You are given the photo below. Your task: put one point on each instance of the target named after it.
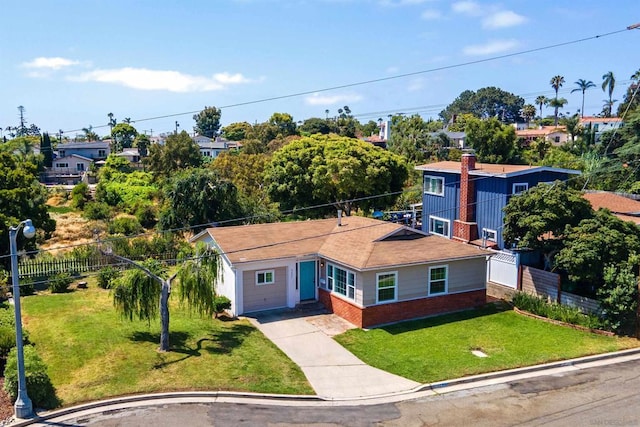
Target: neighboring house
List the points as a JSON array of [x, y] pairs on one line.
[[213, 147], [557, 135], [465, 200], [598, 125], [98, 150], [381, 139], [457, 138], [67, 170], [625, 208], [130, 154], [367, 271]]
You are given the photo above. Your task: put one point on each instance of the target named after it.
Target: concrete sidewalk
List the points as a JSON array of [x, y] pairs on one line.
[[333, 372]]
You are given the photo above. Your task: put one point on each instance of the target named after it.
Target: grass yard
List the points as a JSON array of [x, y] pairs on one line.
[[439, 348], [93, 353]]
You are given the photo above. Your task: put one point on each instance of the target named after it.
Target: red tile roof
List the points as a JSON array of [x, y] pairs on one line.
[[623, 207]]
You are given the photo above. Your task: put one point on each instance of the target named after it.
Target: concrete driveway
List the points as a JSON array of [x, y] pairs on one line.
[[333, 372]]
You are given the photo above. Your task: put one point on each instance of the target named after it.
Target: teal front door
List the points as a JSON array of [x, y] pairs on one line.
[[307, 279]]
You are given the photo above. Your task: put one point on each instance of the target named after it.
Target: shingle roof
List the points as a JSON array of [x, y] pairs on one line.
[[587, 119], [624, 208], [361, 243]]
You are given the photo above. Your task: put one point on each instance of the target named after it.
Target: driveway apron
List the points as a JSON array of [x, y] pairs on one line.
[[332, 371]]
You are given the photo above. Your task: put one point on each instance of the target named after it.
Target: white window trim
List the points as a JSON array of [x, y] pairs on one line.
[[265, 272], [395, 286], [443, 220], [446, 280], [515, 184], [486, 231], [440, 178], [331, 282]]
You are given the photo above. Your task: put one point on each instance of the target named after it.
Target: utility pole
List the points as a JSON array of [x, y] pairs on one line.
[[177, 125], [21, 131]]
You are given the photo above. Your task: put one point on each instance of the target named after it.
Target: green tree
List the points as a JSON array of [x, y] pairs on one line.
[[556, 104], [142, 143], [528, 113], [284, 122], [178, 152], [556, 83], [208, 122], [21, 197], [197, 198], [492, 141], [89, 134], [409, 137], [236, 131], [536, 219], [631, 98], [123, 135], [541, 101], [583, 85], [595, 243], [321, 169], [608, 85], [47, 150], [486, 102], [573, 126], [618, 296]]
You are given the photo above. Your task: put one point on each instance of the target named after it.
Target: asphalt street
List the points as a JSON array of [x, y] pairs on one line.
[[599, 396]]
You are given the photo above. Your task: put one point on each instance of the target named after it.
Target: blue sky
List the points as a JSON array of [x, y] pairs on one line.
[[70, 63]]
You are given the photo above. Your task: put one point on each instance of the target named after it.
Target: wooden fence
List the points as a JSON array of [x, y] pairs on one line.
[[547, 284]]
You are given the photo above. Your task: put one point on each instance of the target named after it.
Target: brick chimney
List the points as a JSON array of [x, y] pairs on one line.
[[465, 228]]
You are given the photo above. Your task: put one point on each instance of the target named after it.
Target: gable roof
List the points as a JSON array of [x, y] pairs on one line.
[[543, 131], [77, 156], [623, 207], [97, 145], [489, 169], [605, 120], [360, 243]]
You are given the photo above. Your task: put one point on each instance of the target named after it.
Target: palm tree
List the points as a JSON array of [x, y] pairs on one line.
[[528, 112], [608, 84], [556, 83], [541, 101], [557, 103], [607, 107], [583, 85]]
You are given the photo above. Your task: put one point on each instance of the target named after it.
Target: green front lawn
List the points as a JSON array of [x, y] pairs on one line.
[[93, 353], [439, 348]]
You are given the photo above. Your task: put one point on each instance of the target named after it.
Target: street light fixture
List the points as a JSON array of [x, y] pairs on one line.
[[23, 407]]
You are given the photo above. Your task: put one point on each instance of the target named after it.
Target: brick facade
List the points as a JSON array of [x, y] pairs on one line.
[[403, 310], [465, 228]]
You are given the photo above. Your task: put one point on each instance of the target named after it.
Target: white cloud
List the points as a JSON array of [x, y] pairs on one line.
[[430, 14], [490, 48], [318, 99], [503, 19], [53, 63], [172, 81], [402, 2], [392, 70], [467, 8], [416, 84]]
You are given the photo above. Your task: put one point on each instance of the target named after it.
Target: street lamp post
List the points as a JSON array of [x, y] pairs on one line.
[[23, 407]]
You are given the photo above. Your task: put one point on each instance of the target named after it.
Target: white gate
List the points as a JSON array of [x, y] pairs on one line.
[[503, 269]]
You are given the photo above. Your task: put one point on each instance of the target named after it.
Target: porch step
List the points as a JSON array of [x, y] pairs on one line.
[[310, 306]]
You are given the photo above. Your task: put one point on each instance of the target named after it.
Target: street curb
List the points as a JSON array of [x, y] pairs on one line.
[[409, 394], [529, 369]]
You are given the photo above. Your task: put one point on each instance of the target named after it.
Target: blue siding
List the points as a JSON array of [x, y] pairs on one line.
[[446, 206], [491, 197]]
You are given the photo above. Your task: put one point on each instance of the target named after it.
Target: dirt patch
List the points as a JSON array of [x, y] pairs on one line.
[[6, 406], [71, 229]]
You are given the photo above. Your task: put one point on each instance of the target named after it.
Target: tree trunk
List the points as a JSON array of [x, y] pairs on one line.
[[164, 316]]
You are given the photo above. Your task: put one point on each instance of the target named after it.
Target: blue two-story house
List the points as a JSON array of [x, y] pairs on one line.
[[465, 200]]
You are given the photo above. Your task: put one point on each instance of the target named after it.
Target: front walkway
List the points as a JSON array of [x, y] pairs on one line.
[[332, 371]]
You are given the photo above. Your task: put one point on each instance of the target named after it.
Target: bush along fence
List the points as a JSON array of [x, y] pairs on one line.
[[31, 268]]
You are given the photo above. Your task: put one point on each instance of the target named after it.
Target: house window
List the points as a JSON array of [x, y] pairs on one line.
[[520, 187], [341, 281], [80, 167], [439, 226], [595, 127], [62, 165], [434, 185], [62, 153], [102, 153], [556, 139], [387, 284], [266, 277], [438, 280], [491, 235]]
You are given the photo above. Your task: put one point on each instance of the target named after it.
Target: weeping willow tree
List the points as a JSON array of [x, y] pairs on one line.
[[136, 293]]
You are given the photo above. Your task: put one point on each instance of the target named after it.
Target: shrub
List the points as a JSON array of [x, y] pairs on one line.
[[220, 304], [97, 210], [41, 390], [542, 307], [106, 276], [146, 215], [59, 283], [80, 195], [125, 225], [7, 340], [27, 287]]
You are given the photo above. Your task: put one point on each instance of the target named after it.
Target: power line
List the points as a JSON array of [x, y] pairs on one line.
[[383, 79]]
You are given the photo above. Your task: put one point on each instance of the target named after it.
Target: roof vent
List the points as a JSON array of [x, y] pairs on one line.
[[339, 217]]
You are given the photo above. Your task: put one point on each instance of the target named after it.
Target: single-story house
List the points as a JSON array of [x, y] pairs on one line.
[[368, 271], [625, 208], [557, 135]]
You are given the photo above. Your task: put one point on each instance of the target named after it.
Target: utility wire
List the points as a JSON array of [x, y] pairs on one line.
[[382, 79]]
